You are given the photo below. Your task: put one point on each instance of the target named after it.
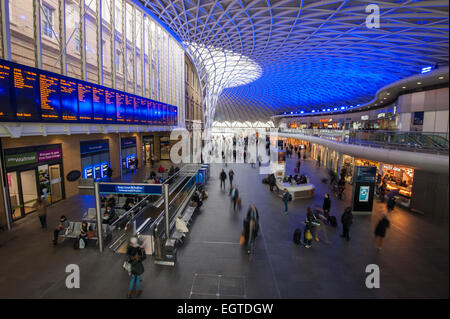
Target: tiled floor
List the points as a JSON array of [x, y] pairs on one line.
[[211, 264]]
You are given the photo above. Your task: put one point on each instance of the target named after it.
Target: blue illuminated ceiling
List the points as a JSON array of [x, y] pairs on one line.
[[313, 54]]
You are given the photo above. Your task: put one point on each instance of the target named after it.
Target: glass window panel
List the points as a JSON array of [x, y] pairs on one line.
[[73, 38], [50, 36], [22, 31]]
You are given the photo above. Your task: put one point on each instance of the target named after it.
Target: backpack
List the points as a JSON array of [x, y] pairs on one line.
[[297, 236], [289, 197]]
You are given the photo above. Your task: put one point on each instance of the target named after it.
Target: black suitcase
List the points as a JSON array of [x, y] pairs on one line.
[[297, 236], [333, 221]]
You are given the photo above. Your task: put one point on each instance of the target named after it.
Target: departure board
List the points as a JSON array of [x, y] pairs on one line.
[[69, 99], [143, 108], [25, 91], [129, 108], [136, 109], [110, 106], [32, 95], [98, 103], [120, 105], [50, 99], [6, 109], [85, 102]]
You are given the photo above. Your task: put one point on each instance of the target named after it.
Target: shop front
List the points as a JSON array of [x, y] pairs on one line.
[[33, 172], [399, 181], [164, 144], [128, 154], [148, 148], [95, 159]]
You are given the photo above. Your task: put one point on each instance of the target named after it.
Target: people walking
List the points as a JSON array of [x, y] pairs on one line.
[[318, 160], [235, 196], [347, 221], [251, 227], [391, 203], [136, 254], [223, 178], [231, 177], [313, 223], [272, 182], [41, 210], [286, 198], [326, 206], [380, 231], [299, 163]]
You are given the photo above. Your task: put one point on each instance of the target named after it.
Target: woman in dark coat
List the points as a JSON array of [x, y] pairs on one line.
[[326, 206], [251, 227], [380, 231]]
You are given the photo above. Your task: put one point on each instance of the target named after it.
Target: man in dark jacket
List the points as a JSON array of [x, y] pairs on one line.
[[234, 196], [326, 206], [223, 178], [380, 231], [347, 220], [272, 182], [231, 176]]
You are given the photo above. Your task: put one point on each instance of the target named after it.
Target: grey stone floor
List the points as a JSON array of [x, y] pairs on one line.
[[211, 264]]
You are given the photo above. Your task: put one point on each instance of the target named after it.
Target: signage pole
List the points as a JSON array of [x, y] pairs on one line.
[[99, 218], [5, 189], [166, 208]]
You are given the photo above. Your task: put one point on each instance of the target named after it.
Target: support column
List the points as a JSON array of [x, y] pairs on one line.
[[133, 37], [83, 40], [37, 34], [113, 43], [98, 217], [124, 44], [99, 43], [6, 36], [62, 36]]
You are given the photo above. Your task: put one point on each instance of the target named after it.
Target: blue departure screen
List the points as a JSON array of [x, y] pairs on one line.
[[32, 95], [143, 108], [120, 105], [129, 108], [85, 101], [69, 99], [110, 106], [50, 98], [25, 90], [6, 110], [136, 109], [98, 100]]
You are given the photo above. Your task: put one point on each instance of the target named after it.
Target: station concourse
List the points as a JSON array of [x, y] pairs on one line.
[[118, 119]]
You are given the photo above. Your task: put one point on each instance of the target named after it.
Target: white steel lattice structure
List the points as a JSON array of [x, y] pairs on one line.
[[312, 54]]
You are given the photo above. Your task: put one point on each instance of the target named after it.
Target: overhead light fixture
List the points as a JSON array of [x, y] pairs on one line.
[[441, 78], [426, 69], [385, 98], [301, 112], [328, 110], [419, 83], [342, 107], [388, 93], [335, 108], [314, 111], [403, 87]]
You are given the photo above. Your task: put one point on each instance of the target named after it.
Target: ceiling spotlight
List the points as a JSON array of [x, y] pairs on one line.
[[301, 112], [385, 98], [441, 78], [419, 83], [388, 93], [328, 110], [314, 111], [403, 87], [335, 108]]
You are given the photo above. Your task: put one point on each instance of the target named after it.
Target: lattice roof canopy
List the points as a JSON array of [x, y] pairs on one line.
[[303, 54]]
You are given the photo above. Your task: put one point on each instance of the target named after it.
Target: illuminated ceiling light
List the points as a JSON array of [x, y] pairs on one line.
[[385, 98], [441, 78], [403, 87], [388, 93], [314, 111], [301, 112], [419, 83], [426, 69], [335, 108], [328, 110]]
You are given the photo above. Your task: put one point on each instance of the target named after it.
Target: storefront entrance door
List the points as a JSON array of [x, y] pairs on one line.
[[29, 190]]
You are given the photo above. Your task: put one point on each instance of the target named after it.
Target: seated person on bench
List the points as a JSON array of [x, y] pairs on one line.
[[129, 202], [109, 215], [201, 189], [84, 233], [196, 199], [63, 225]]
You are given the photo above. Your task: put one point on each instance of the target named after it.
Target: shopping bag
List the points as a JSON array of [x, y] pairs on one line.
[[242, 239]]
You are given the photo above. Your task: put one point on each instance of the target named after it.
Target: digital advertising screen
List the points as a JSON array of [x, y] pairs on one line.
[[110, 106], [6, 109], [69, 99], [129, 107], [50, 97], [85, 102], [26, 94], [98, 103], [120, 107]]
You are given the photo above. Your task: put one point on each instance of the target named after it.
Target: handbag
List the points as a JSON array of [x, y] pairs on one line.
[[127, 266], [82, 244], [242, 239]]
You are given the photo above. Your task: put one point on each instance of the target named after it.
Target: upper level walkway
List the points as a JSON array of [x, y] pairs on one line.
[[211, 264]]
